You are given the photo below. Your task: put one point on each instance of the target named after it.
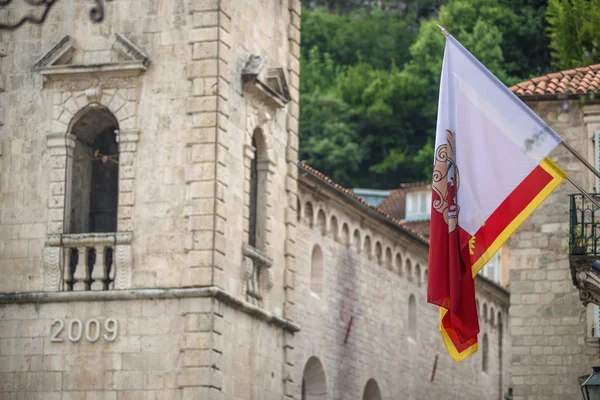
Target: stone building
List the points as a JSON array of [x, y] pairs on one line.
[[159, 240], [555, 339]]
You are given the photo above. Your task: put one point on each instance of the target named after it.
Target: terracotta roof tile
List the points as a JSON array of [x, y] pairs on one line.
[[573, 81], [394, 204]]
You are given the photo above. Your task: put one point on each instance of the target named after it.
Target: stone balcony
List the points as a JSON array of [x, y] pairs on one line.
[[87, 261], [584, 250]]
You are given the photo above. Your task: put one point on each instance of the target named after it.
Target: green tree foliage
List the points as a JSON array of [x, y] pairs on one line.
[[370, 78], [574, 31]]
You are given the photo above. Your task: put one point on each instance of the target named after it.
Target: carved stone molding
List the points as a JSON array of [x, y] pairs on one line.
[[257, 277], [57, 61], [585, 278], [269, 84], [52, 274], [123, 261]]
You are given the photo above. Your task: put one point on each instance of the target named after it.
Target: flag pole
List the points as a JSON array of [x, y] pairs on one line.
[[580, 158], [569, 149]]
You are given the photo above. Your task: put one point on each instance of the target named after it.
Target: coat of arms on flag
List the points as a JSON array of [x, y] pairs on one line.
[[490, 173]]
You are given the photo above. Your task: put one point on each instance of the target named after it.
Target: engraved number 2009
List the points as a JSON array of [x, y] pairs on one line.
[[92, 330]]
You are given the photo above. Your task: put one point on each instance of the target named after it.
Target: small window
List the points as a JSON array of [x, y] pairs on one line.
[[316, 271], [484, 353], [492, 269], [593, 316], [410, 204], [412, 317], [418, 205]]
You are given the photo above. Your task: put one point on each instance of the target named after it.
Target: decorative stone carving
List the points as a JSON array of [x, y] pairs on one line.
[[268, 84], [57, 61], [52, 256], [123, 267], [257, 278], [93, 95], [586, 278]]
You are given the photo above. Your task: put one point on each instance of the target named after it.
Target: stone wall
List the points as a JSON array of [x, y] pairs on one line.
[[185, 122], [149, 108], [154, 340], [358, 326], [551, 345]]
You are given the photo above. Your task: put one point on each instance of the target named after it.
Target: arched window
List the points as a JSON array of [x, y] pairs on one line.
[[257, 201], [412, 317], [399, 264], [345, 235], [378, 253], [333, 226], [356, 240], [388, 259], [408, 270], [316, 271], [367, 247], [94, 185], [314, 383], [418, 274], [322, 222], [308, 214], [484, 353], [372, 391]]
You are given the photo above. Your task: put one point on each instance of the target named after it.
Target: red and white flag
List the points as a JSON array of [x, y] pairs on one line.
[[490, 173]]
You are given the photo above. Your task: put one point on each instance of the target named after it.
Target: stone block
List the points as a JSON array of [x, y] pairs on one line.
[[205, 19], [200, 104], [203, 5], [202, 69], [196, 277], [200, 377], [205, 393], [203, 50], [200, 172]]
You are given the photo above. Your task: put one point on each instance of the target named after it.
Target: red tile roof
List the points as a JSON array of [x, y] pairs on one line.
[[394, 204], [322, 177], [572, 81]]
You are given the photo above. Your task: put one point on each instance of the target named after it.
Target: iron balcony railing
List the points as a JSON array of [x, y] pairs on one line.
[[584, 225]]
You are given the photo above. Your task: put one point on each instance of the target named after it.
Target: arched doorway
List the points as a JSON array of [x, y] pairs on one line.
[[314, 384], [371, 391]]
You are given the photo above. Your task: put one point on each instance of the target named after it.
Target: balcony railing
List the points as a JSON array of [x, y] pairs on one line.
[[88, 261], [584, 225]]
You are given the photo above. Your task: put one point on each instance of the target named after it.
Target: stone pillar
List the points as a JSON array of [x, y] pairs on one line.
[[127, 148], [206, 173], [291, 187]]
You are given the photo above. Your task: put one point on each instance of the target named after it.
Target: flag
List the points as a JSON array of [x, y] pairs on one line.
[[490, 173]]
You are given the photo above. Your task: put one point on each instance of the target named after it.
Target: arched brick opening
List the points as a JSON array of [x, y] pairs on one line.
[[314, 382], [316, 271], [372, 391]]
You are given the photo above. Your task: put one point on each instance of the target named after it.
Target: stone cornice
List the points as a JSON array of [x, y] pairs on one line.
[[143, 294]]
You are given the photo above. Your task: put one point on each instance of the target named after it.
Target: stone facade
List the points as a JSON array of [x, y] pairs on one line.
[[550, 329], [202, 99], [359, 326]]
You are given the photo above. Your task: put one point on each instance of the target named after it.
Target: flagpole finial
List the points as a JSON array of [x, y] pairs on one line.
[[444, 31]]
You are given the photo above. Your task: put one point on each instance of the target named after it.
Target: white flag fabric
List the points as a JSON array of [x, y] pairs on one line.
[[499, 140]]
